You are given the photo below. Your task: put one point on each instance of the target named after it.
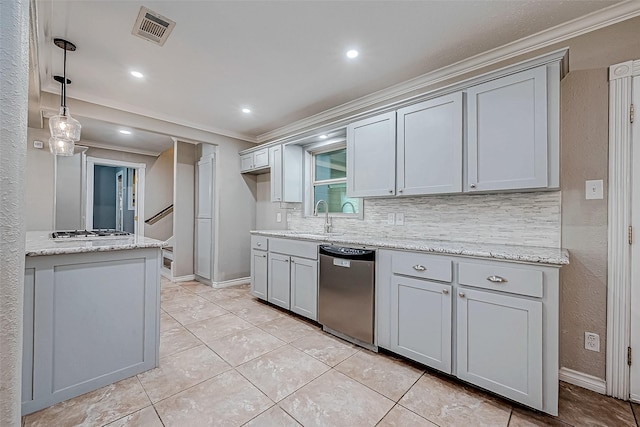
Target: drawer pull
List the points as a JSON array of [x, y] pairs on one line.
[[461, 294], [445, 291], [496, 279], [259, 244], [419, 267]]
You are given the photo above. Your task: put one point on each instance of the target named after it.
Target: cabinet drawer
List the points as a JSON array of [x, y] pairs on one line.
[[260, 243], [496, 276], [297, 248], [422, 266]]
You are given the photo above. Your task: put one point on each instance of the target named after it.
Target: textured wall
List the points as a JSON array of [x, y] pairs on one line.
[[14, 83], [530, 219], [584, 222]]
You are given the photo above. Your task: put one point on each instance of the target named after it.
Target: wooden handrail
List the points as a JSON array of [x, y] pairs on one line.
[[157, 217]]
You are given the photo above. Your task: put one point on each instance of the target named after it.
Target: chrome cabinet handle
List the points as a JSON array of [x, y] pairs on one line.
[[286, 260], [419, 267], [472, 186], [445, 291], [497, 279], [390, 191], [259, 244], [399, 191], [264, 256], [461, 294]]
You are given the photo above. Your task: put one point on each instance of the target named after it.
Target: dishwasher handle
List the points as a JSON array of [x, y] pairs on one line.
[[348, 253]]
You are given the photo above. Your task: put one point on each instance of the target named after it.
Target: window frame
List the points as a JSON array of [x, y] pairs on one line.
[[310, 182]]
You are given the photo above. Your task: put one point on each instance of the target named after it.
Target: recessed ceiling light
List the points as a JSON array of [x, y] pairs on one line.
[[125, 132], [137, 74], [323, 137], [246, 110], [352, 53]]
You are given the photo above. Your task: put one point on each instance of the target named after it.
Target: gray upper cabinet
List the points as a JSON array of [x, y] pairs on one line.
[[371, 156], [255, 160], [507, 132], [275, 161], [286, 173], [429, 147]]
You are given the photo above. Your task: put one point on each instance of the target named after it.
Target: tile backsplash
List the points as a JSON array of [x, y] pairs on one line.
[[529, 219]]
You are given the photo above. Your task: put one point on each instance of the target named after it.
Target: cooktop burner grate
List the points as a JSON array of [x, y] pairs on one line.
[[86, 233]]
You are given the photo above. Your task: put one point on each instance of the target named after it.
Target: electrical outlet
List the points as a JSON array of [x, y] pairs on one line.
[[278, 217], [399, 219], [391, 219], [592, 341]]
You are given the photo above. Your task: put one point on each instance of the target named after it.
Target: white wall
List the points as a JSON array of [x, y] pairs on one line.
[[159, 195]]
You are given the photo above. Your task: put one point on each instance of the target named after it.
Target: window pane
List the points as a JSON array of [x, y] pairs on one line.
[[336, 197], [331, 165]]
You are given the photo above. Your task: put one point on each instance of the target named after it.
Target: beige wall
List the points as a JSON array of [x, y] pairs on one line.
[[159, 195], [266, 220], [583, 303], [184, 208]]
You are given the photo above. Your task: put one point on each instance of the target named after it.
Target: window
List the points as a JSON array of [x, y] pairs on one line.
[[329, 182]]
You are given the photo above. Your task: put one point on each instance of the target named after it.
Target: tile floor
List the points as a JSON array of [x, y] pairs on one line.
[[228, 359]]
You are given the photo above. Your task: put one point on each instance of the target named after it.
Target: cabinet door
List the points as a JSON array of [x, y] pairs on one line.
[[259, 274], [203, 255], [430, 147], [275, 154], [421, 321], [499, 344], [304, 287], [261, 158], [246, 162], [507, 132], [371, 156], [278, 288]]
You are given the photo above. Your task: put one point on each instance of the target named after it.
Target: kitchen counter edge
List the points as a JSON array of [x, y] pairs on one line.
[[38, 243], [529, 254]]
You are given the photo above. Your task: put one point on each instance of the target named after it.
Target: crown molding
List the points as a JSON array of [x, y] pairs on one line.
[[577, 27]]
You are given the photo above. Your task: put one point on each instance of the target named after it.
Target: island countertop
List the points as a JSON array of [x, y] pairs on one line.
[[40, 243], [531, 254]]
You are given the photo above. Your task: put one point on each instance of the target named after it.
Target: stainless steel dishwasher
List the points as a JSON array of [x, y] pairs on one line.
[[346, 297]]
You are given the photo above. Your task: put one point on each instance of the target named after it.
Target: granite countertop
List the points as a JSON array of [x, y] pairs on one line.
[[39, 243], [533, 254]]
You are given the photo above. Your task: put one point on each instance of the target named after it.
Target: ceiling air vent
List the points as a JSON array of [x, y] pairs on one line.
[[152, 26]]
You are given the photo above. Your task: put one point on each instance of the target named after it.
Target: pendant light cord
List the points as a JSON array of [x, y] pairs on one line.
[[64, 79]]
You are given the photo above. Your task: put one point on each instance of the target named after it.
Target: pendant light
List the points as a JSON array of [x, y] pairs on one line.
[[65, 130]]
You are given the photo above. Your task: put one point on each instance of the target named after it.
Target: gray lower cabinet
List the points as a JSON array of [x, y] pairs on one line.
[[259, 270], [286, 274], [304, 287], [278, 284], [421, 321], [499, 344], [493, 324], [90, 319]]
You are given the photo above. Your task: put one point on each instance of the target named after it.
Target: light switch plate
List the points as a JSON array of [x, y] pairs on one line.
[[391, 219], [38, 144], [278, 217], [594, 189], [399, 219], [288, 217]]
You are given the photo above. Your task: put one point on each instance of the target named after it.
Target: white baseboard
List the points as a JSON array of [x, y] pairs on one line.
[[186, 278], [583, 380], [635, 398], [232, 282]]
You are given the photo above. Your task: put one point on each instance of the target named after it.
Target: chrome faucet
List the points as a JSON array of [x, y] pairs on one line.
[[327, 218]]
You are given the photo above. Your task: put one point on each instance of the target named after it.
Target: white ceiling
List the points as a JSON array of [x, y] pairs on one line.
[[283, 59]]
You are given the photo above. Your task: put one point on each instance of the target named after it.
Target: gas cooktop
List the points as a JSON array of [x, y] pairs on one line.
[[69, 234]]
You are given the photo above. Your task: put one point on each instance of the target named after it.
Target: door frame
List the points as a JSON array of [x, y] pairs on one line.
[[120, 204], [140, 168], [619, 275]]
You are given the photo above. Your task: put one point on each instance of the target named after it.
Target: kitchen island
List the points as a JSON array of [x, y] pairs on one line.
[[91, 314]]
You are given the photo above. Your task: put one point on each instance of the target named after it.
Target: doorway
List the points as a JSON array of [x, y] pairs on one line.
[[115, 195]]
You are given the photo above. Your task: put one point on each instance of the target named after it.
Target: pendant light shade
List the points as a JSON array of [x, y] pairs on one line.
[[65, 130]]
